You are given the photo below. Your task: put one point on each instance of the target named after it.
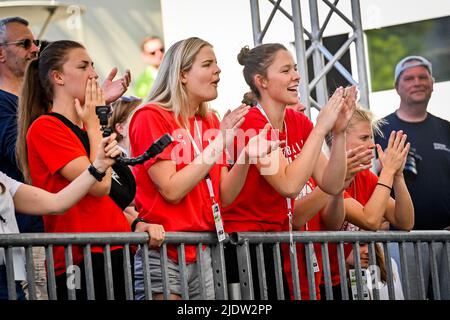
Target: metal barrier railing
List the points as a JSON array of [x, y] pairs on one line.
[[417, 239], [420, 240], [106, 240]]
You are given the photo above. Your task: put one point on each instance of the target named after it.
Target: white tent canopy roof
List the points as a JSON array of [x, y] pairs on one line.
[[39, 12]]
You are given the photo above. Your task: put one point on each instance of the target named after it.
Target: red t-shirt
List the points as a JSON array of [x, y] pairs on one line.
[[51, 146], [193, 212], [259, 207], [315, 224], [361, 190]]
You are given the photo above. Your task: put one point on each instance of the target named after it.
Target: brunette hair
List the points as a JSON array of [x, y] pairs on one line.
[[256, 61], [36, 96]]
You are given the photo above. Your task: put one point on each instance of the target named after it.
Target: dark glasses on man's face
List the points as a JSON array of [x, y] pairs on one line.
[[129, 98], [152, 53], [25, 43]]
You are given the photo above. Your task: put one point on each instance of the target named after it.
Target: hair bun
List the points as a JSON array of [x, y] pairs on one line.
[[243, 55]]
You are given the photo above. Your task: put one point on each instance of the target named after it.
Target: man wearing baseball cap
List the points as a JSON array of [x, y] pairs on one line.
[[427, 168]]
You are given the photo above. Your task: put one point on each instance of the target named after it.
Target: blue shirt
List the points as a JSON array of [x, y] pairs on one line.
[[8, 138], [430, 189]]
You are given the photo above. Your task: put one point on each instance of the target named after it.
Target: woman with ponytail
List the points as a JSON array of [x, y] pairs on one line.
[[61, 89], [15, 195], [271, 73]]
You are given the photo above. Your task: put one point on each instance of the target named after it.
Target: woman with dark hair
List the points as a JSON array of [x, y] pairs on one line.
[[58, 98], [271, 73], [36, 201]]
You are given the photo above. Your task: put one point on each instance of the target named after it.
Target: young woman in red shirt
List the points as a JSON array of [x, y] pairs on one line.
[[184, 187], [271, 73], [63, 81], [368, 203]]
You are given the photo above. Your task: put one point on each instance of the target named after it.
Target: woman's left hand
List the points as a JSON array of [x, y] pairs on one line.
[[358, 159], [155, 232], [394, 157], [114, 89]]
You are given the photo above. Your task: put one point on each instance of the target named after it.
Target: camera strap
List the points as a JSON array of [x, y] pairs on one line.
[[80, 133], [123, 185]]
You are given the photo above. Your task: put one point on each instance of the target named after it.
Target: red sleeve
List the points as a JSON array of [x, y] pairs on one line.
[[147, 125], [306, 125], [54, 142], [347, 195]]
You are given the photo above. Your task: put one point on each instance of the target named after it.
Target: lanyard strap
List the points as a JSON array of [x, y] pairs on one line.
[[194, 144], [288, 200], [197, 152]]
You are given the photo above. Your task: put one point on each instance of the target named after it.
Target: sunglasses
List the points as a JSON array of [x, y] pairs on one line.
[[130, 98], [25, 43], [152, 53]]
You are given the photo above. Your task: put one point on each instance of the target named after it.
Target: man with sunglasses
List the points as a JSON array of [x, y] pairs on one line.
[[152, 49]]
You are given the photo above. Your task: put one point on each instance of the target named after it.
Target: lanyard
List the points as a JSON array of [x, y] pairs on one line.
[[197, 152], [215, 206], [199, 135], [288, 200]]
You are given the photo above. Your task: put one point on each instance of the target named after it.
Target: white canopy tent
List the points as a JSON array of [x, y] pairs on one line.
[[42, 12]]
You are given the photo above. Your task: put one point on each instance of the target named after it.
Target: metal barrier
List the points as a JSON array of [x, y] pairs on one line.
[[106, 240], [418, 240]]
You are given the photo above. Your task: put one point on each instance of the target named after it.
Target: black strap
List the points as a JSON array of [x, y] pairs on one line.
[[80, 133], [122, 192]]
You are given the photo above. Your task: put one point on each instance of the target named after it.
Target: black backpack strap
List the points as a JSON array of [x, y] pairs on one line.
[[123, 185], [81, 134]]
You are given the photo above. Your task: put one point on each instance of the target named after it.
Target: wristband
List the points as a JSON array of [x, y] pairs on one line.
[[95, 173], [135, 222], [384, 185]]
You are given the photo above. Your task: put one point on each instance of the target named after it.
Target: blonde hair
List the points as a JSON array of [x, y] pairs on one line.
[[36, 95], [364, 114], [168, 91], [122, 111], [379, 256]]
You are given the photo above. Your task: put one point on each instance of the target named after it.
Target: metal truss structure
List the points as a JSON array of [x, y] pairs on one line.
[[317, 49]]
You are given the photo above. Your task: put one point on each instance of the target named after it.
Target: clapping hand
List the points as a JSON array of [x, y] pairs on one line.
[[358, 159], [231, 121], [259, 146], [348, 107], [114, 89], [330, 112], [394, 157]]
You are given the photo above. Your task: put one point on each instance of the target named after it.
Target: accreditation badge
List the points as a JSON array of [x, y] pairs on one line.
[[218, 222]]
